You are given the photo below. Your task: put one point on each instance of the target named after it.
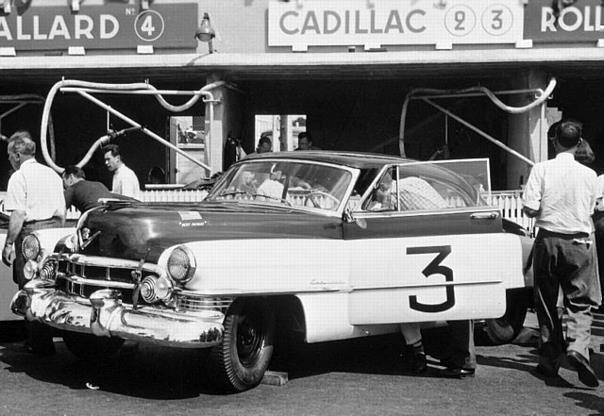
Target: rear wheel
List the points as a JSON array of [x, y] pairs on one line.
[[505, 329], [90, 347], [240, 361]]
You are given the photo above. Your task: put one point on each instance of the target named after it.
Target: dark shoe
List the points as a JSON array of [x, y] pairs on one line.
[[415, 362], [419, 363], [545, 371], [457, 372], [586, 373]]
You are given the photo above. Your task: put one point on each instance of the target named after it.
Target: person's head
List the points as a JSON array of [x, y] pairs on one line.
[[113, 159], [247, 178], [265, 145], [304, 141], [567, 136], [21, 147], [71, 175], [386, 183], [584, 154]]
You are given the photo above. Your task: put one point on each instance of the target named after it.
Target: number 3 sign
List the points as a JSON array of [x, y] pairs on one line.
[[495, 20], [149, 25]]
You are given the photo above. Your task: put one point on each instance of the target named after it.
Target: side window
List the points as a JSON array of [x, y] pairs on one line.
[[423, 192]]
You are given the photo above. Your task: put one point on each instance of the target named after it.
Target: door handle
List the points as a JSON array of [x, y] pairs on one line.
[[485, 215]]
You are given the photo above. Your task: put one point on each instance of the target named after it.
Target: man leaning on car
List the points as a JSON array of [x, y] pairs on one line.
[[35, 200]]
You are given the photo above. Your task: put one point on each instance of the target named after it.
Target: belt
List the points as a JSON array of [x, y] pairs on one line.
[[569, 236]]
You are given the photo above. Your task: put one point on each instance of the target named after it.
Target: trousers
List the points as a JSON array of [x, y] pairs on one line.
[[461, 349], [567, 262]]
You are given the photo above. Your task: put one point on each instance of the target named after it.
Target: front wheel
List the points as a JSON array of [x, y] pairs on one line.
[[90, 347], [240, 361], [505, 329]]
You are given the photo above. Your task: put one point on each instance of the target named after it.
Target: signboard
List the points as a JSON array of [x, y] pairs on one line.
[[584, 21], [112, 26], [304, 23]]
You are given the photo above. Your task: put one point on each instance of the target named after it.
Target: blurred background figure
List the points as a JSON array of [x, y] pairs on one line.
[[305, 142]]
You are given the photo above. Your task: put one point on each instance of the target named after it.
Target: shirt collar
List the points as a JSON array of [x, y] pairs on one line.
[[28, 161], [565, 155]]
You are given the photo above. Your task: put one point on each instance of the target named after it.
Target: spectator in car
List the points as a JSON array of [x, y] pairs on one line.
[[561, 194], [414, 193], [382, 198], [247, 183]]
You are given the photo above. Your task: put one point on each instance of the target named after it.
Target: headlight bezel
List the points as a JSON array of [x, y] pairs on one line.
[[190, 268], [28, 247]]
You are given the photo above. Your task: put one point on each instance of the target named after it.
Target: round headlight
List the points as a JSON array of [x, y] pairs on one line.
[[31, 247], [181, 264], [30, 269], [155, 288]]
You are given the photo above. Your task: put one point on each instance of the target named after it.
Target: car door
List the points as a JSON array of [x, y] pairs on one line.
[[437, 255]]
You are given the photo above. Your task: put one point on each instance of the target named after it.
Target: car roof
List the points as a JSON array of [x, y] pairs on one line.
[[358, 160]]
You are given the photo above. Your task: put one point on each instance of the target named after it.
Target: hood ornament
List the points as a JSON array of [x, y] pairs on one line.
[[86, 238]]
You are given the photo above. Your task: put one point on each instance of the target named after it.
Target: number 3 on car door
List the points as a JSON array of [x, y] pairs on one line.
[[434, 268]]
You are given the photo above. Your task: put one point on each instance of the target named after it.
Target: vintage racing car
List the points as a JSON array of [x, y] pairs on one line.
[[334, 245]]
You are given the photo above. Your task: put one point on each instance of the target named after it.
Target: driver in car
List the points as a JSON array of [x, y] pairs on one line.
[[272, 186]]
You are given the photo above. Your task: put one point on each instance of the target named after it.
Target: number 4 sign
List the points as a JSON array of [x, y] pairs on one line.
[[149, 25]]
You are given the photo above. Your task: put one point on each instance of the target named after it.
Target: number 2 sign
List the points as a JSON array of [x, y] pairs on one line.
[[149, 25]]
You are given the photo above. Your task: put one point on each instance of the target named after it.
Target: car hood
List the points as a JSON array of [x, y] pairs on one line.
[[135, 231]]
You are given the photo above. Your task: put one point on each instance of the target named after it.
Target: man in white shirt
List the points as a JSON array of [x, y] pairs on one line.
[[35, 200], [561, 194], [125, 181]]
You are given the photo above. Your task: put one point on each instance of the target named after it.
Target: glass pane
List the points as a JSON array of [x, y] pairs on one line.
[[292, 183]]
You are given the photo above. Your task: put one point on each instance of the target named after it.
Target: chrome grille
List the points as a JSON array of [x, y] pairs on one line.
[[201, 303], [119, 274]]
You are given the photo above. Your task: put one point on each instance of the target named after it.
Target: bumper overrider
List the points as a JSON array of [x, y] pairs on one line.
[[104, 314]]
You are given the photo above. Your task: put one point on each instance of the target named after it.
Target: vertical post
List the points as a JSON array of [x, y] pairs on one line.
[[284, 133], [527, 132], [214, 145]]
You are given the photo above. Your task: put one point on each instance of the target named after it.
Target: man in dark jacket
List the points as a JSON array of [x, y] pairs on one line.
[[81, 193]]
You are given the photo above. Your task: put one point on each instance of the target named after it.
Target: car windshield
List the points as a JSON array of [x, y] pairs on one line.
[[292, 183]]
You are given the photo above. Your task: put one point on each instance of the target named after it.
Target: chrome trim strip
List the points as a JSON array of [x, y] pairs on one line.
[[429, 285], [110, 262], [444, 211], [97, 283]]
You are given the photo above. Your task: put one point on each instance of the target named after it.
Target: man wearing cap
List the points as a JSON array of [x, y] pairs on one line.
[[561, 194], [35, 200]]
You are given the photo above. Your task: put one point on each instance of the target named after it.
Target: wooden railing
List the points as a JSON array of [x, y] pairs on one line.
[[509, 204]]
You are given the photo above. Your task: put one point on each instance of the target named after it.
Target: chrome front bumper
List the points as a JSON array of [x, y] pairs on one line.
[[103, 314]]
